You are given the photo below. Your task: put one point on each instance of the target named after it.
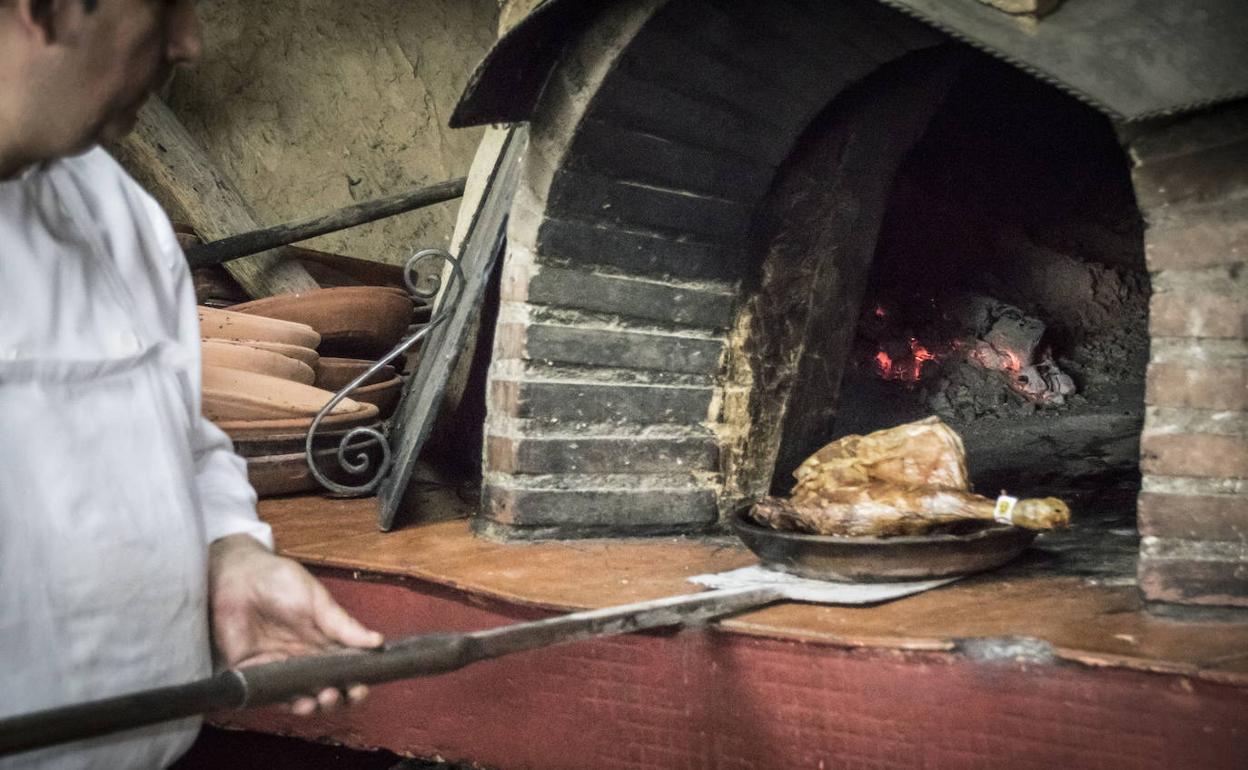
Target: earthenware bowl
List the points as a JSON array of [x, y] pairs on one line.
[[215, 323], [975, 548], [286, 442], [307, 356], [232, 395], [295, 429], [353, 321], [286, 474], [227, 355], [382, 389], [335, 373]]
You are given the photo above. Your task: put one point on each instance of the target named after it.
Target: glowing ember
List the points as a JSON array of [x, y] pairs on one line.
[[920, 353], [908, 368]]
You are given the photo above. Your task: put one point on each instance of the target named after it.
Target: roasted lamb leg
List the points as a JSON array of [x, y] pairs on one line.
[[881, 510], [906, 480], [926, 453]]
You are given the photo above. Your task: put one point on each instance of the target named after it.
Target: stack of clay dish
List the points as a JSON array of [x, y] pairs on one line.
[[268, 418], [218, 324], [286, 474], [235, 396], [228, 354], [353, 321], [382, 389]]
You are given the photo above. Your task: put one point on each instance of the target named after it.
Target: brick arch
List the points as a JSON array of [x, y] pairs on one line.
[[655, 141]]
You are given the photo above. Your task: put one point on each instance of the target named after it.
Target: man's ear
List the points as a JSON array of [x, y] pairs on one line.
[[46, 20]]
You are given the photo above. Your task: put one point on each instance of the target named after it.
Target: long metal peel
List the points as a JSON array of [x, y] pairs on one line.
[[421, 655]]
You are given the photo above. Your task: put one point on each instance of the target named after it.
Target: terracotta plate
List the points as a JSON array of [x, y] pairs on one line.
[[229, 355], [382, 389], [228, 325], [235, 394], [296, 428], [352, 320], [286, 474], [883, 559]]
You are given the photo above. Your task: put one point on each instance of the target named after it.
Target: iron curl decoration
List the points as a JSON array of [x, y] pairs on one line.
[[360, 439]]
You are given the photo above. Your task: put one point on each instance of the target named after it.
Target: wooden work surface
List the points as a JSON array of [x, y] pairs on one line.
[[1065, 618]]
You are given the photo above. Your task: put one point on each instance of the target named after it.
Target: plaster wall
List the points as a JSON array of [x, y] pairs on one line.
[[311, 105]]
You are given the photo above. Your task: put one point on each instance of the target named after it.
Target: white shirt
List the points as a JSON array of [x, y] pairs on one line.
[[111, 482]]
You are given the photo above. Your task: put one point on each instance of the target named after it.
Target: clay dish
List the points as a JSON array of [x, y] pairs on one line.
[[218, 324], [286, 474], [335, 373], [354, 321], [304, 355], [226, 355], [296, 428], [292, 442], [383, 395], [232, 394], [382, 389]]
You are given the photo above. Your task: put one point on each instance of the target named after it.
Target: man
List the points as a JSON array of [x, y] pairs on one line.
[[128, 535]]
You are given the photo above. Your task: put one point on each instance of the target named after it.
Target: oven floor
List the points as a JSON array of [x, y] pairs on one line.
[[1072, 596]]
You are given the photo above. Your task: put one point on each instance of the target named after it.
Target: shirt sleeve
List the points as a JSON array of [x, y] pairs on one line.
[[226, 499], [225, 496]]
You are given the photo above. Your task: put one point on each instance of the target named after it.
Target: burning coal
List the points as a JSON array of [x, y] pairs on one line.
[[980, 330]]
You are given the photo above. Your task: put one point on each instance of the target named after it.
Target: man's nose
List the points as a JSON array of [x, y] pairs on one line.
[[186, 40]]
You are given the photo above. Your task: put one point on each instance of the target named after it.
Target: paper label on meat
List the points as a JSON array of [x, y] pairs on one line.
[[1004, 511]]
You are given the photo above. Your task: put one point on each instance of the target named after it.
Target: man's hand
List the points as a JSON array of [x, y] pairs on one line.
[[266, 608]]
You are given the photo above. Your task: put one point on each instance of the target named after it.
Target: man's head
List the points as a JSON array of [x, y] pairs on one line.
[[75, 72]]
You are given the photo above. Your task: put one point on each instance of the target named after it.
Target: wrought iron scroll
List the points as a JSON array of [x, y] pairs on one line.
[[361, 463]]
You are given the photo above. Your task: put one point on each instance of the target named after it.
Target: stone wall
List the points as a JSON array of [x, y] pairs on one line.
[[1191, 178], [310, 105]]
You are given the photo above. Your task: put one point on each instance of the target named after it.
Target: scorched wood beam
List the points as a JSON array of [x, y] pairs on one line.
[[170, 164]]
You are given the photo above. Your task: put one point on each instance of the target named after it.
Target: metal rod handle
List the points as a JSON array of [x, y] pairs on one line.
[[256, 241], [421, 655]]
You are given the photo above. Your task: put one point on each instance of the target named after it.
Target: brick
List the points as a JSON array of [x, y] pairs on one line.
[[600, 454], [1194, 517], [1194, 455], [1174, 314], [594, 198], [636, 253], [569, 402], [591, 512], [706, 23], [1192, 351], [657, 109], [833, 34], [910, 32], [1213, 387], [1194, 571], [624, 153], [1184, 420], [616, 348], [1214, 235], [709, 307], [1197, 582], [1200, 177], [1187, 135], [664, 55]]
